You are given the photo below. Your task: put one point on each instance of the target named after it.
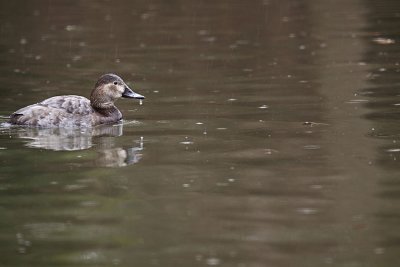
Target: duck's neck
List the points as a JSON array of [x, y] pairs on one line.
[[104, 107], [108, 113]]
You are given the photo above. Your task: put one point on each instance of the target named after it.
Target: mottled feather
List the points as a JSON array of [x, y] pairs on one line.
[[64, 111]]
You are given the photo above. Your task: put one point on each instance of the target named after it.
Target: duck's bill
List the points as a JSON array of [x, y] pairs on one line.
[[128, 93]]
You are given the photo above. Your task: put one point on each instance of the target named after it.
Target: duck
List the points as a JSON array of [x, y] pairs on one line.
[[78, 111]]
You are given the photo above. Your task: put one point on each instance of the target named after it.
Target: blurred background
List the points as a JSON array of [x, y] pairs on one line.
[[269, 135]]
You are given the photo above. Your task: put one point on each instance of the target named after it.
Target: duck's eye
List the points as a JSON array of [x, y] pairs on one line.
[[115, 83]]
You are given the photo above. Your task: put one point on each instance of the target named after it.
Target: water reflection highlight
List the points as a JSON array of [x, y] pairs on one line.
[[73, 139]]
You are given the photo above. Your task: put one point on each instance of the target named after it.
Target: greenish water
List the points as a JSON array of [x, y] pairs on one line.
[[269, 135]]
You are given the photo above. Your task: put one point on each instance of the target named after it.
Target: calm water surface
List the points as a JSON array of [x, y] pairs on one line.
[[270, 134]]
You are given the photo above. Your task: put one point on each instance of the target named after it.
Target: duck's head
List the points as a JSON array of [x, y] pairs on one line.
[[108, 89]]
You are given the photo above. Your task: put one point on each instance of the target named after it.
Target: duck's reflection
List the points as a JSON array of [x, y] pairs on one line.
[[101, 137], [120, 157]]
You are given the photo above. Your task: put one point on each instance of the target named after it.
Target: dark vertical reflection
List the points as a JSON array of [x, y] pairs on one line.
[[382, 93]]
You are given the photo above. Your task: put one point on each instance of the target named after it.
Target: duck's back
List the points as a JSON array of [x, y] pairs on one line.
[[64, 111]]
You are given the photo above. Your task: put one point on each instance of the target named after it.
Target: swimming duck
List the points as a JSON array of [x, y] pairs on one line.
[[78, 111]]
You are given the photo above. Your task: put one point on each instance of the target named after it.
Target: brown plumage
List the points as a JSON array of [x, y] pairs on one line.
[[78, 111]]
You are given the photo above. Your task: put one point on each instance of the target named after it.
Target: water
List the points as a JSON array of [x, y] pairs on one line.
[[269, 135]]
